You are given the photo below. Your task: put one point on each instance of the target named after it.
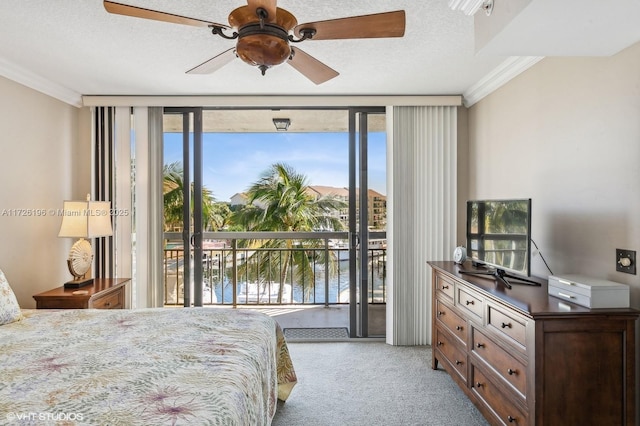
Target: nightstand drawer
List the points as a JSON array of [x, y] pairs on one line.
[[113, 300], [103, 293]]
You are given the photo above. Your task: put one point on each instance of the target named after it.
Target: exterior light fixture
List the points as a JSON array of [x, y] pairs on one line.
[[282, 124]]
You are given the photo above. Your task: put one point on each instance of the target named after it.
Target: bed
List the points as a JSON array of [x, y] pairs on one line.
[[143, 367]]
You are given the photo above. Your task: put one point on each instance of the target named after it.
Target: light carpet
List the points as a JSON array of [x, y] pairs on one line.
[[372, 383]]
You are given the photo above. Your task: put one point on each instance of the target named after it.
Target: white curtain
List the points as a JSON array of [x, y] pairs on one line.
[[421, 168]]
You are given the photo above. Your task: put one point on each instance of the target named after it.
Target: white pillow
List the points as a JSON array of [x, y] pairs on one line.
[[9, 308]]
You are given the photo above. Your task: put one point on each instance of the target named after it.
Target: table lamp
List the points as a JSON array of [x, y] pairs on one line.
[[84, 219]]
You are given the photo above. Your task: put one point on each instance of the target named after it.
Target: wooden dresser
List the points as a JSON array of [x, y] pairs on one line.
[[526, 358], [104, 293]]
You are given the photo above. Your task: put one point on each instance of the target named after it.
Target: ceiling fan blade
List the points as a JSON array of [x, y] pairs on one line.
[[310, 67], [139, 12], [215, 63], [387, 24], [268, 5]]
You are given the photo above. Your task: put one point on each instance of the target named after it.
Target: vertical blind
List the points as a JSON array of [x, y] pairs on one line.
[[422, 159], [127, 170]]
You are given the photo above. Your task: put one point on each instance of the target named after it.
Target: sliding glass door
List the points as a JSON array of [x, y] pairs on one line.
[[367, 224], [183, 207]]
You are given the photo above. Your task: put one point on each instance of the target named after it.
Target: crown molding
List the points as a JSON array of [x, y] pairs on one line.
[[39, 83], [504, 72]]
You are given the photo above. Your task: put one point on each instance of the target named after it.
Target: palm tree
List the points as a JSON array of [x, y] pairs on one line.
[[214, 215], [281, 201]]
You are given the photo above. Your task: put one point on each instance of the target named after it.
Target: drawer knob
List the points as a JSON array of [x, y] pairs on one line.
[[511, 372], [478, 384], [458, 327], [511, 419], [107, 304], [505, 325], [439, 344], [469, 302], [444, 287], [479, 345], [440, 313], [458, 362]]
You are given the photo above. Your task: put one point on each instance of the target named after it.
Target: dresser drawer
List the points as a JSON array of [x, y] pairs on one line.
[[452, 321], [445, 286], [505, 410], [112, 300], [507, 366], [470, 302], [508, 325], [456, 356]]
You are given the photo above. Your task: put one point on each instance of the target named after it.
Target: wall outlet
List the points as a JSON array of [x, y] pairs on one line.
[[626, 261]]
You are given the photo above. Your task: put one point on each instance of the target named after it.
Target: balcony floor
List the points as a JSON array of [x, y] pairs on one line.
[[319, 316]]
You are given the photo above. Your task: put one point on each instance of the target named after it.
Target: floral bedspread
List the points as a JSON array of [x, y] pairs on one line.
[[143, 367]]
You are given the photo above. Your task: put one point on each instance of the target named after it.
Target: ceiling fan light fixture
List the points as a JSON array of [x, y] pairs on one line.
[[282, 124]]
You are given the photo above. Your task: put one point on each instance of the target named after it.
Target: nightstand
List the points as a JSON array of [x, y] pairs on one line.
[[104, 293]]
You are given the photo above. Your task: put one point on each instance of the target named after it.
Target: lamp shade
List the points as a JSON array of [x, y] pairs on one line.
[[86, 219]]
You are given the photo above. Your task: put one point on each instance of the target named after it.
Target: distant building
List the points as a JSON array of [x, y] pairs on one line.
[[376, 203], [242, 199]]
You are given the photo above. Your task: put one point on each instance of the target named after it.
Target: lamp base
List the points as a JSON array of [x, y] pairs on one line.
[[78, 283]]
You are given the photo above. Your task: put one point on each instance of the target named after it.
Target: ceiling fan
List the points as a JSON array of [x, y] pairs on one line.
[[265, 34]]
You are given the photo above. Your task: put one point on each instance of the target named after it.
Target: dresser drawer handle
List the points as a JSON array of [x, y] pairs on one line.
[[459, 328], [444, 287], [505, 325], [480, 345], [469, 302], [479, 385], [511, 419], [511, 372], [458, 362], [439, 344], [568, 296], [440, 313], [107, 304]]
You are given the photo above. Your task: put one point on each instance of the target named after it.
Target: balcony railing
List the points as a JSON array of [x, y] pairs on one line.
[[240, 269]]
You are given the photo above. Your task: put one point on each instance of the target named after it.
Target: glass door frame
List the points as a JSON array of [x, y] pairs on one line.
[[359, 214], [191, 239]]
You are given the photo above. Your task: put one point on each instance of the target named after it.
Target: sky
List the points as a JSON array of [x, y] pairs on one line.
[[233, 161]]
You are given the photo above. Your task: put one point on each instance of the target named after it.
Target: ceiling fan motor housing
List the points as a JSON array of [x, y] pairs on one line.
[[266, 46], [262, 42]]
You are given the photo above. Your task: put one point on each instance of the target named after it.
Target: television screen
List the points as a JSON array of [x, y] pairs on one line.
[[499, 234]]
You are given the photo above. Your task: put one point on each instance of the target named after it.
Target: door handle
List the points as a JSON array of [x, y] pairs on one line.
[[192, 240]]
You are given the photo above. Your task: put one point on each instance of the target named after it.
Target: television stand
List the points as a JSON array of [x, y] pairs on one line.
[[502, 276]]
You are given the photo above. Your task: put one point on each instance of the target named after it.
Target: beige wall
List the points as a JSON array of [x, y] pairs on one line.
[[44, 159], [566, 133]]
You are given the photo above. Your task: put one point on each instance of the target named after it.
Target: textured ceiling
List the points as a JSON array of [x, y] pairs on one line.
[[77, 46]]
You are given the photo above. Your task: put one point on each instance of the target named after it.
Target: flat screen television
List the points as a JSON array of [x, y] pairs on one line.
[[499, 239]]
